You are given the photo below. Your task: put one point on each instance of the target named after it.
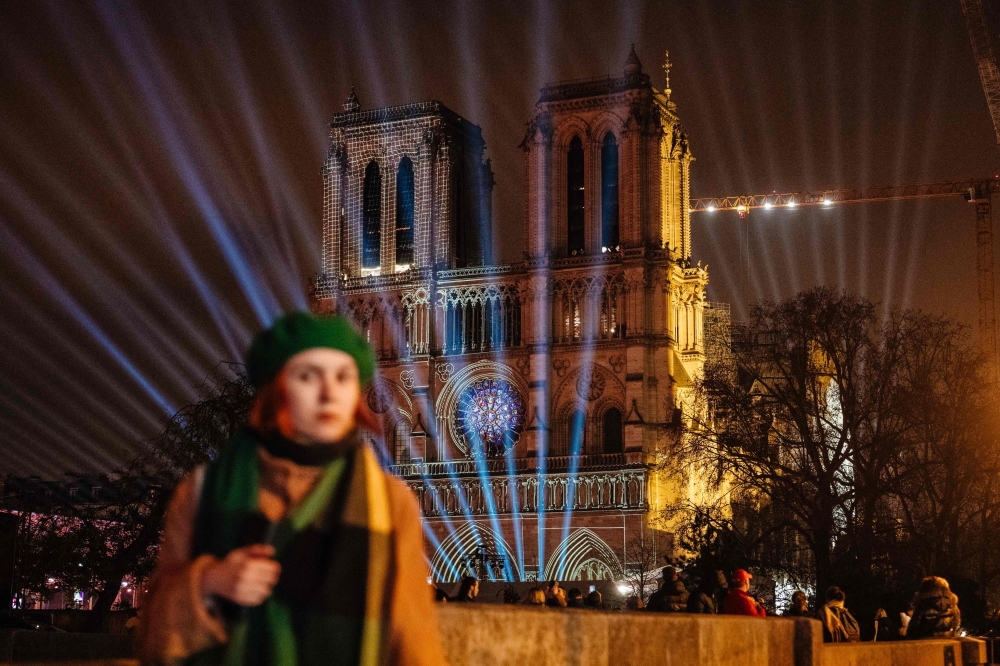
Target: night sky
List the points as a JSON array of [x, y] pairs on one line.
[[160, 194]]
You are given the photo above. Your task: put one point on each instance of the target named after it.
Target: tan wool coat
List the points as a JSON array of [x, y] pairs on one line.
[[179, 622]]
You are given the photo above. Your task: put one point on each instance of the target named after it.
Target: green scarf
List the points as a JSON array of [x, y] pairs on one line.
[[330, 605]]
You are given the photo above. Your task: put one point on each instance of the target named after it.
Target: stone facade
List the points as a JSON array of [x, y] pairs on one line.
[[523, 402]]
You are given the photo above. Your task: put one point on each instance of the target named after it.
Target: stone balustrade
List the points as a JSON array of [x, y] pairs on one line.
[[530, 493]]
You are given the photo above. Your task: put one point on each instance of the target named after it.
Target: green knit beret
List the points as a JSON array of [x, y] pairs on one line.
[[299, 331]]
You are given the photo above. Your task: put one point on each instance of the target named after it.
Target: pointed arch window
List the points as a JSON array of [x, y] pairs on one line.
[[609, 192], [575, 196], [404, 213], [371, 232], [612, 427], [577, 432], [400, 441]]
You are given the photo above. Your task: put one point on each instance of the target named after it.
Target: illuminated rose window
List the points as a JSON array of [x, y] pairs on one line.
[[491, 416]]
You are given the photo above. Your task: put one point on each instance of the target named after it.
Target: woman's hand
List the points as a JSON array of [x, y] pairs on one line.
[[246, 577]]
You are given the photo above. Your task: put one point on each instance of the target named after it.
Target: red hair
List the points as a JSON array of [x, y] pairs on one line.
[[269, 414]]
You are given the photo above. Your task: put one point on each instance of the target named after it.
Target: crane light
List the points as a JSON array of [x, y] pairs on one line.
[[827, 202], [711, 208], [767, 205], [791, 203]]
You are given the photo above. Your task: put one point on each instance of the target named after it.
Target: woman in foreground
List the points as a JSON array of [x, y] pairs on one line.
[[294, 546]]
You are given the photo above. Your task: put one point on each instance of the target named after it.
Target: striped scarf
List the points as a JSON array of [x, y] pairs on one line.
[[330, 605]]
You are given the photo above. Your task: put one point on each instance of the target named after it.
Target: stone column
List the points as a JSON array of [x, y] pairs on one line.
[[537, 341], [333, 176], [423, 202], [443, 188], [387, 251], [538, 147]]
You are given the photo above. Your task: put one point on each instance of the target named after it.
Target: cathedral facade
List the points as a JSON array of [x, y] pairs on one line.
[[524, 403]]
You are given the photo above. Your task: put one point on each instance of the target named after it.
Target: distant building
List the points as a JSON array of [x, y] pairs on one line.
[[523, 402], [24, 499]]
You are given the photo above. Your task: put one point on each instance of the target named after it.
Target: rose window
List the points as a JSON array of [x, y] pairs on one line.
[[490, 415]]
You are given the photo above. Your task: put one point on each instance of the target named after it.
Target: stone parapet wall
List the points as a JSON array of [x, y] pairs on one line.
[[521, 636], [517, 635]]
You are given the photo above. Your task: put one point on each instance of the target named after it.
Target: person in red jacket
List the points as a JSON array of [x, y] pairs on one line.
[[739, 601]]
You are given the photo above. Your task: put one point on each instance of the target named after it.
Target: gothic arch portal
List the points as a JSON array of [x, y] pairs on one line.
[[583, 553], [449, 562]]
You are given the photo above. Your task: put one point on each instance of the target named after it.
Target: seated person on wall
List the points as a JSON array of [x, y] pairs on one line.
[[702, 600], [935, 611], [671, 597], [557, 598], [904, 621], [536, 597], [594, 600], [799, 606], [883, 632], [839, 626], [739, 601], [293, 546], [467, 591], [574, 598]]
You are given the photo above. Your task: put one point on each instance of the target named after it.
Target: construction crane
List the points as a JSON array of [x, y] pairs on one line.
[[979, 35], [989, 75], [977, 191]]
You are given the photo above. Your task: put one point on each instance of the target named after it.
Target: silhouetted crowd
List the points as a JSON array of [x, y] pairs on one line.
[[933, 613]]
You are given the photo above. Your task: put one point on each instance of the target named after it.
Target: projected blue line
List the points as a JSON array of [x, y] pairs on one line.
[[56, 290], [263, 303]]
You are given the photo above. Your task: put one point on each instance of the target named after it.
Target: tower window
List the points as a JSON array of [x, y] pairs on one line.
[[371, 233], [612, 426], [404, 213], [609, 192], [575, 196], [577, 428], [401, 443]]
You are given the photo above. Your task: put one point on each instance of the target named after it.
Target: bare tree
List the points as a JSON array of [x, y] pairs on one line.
[[94, 546], [640, 557], [856, 433], [946, 482]]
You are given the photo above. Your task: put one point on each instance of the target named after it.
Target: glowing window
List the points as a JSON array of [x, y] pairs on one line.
[[577, 432], [371, 233], [609, 192], [491, 416], [575, 196], [404, 213]]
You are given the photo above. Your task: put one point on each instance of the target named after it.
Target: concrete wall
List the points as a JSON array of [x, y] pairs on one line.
[[519, 635], [51, 647], [495, 635], [893, 653]]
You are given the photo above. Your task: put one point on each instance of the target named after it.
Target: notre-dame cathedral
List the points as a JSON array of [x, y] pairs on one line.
[[523, 402]]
